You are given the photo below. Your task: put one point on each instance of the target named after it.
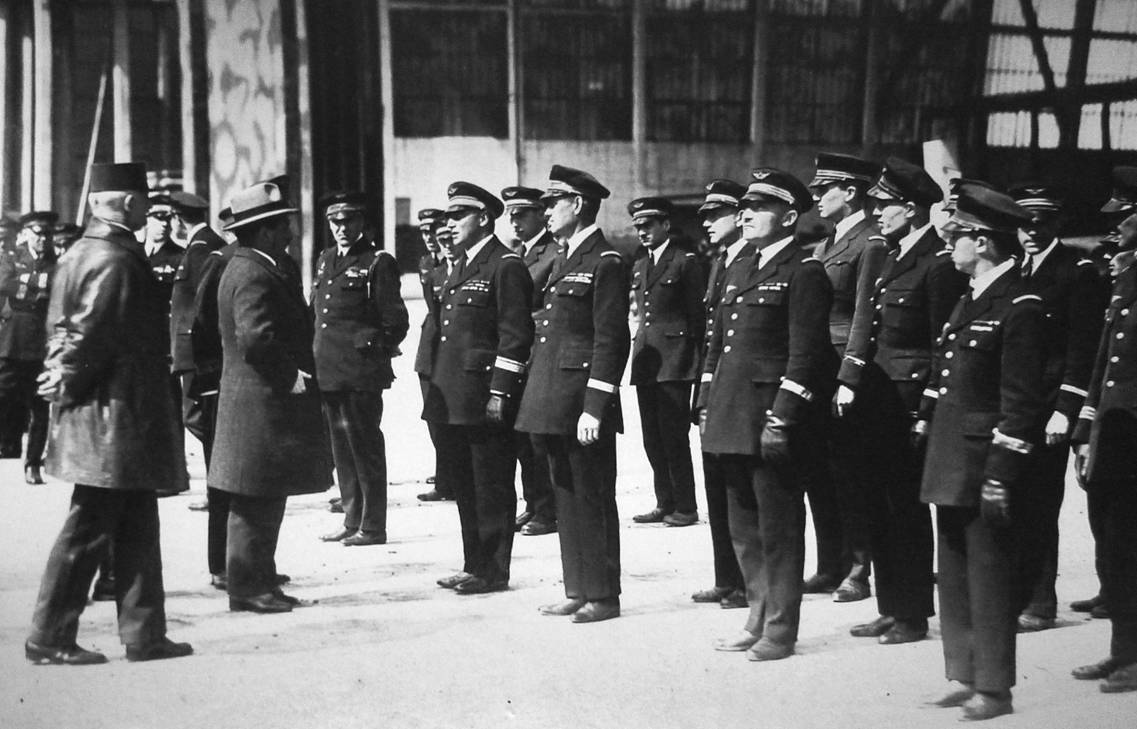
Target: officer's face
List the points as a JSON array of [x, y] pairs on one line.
[[445, 241], [1040, 233], [36, 237], [831, 201], [652, 231], [766, 220], [562, 214], [721, 225], [1127, 233], [892, 215], [158, 226], [964, 245], [527, 223], [428, 239], [346, 228], [465, 226]]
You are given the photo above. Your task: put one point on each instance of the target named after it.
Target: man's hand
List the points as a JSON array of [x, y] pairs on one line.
[[298, 387], [843, 400], [50, 382], [775, 442], [918, 437], [495, 409], [1057, 429], [587, 429], [994, 505], [1081, 455]]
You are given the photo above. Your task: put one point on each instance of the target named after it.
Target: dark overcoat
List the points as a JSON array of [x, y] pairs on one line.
[[539, 260], [852, 263], [25, 285], [432, 275], [187, 277], [669, 298]]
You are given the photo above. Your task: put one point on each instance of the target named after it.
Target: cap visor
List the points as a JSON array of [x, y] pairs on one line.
[[1116, 206]]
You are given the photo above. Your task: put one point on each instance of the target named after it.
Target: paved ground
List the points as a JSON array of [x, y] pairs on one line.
[[385, 647]]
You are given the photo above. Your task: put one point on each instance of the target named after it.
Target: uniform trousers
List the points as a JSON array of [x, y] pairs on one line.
[[584, 480], [440, 484], [536, 488], [728, 575], [1113, 503], [199, 412], [254, 528], [360, 456], [21, 408], [480, 464], [981, 595], [100, 519], [767, 526], [665, 418], [1046, 474], [847, 473], [825, 479]]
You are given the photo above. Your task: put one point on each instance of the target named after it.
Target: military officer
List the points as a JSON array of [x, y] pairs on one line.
[[1106, 460], [719, 213], [765, 385], [432, 271], [539, 250], [853, 257], [113, 429], [1073, 299], [668, 287], [987, 404], [162, 252], [360, 322], [485, 331], [25, 284], [886, 366], [571, 403]]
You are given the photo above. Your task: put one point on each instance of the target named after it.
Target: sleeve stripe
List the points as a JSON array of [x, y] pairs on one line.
[[602, 386], [1075, 390], [855, 360], [1017, 445], [1087, 413], [509, 365], [797, 389], [934, 394]]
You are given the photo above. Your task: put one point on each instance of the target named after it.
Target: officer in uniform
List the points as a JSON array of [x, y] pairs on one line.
[[1106, 461], [360, 322], [766, 385], [987, 404], [432, 271], [539, 250], [485, 332], [571, 403], [887, 363], [25, 285], [1073, 299], [853, 257], [162, 252]]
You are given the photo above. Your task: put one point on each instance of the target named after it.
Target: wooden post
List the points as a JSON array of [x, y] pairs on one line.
[[189, 130], [120, 88], [387, 92], [639, 94], [758, 81], [92, 147], [303, 143]]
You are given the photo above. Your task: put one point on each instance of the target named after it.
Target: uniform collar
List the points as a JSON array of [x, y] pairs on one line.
[[1038, 258], [528, 245], [267, 256], [909, 241], [980, 283], [734, 249], [847, 223], [579, 237], [476, 248], [657, 252], [765, 255]]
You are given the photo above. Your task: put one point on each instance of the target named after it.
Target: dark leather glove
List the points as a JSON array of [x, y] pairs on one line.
[[994, 504], [775, 442], [918, 436], [495, 410]]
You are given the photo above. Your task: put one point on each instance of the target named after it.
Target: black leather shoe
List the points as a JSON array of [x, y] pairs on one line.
[[711, 594], [681, 518], [454, 580], [266, 603], [478, 586], [875, 629], [1085, 606], [1121, 680], [852, 591], [219, 581], [33, 475], [596, 610], [736, 599], [293, 601], [1095, 671], [744, 640], [820, 584], [522, 519], [1032, 623], [958, 694], [336, 506], [158, 650], [537, 527], [983, 706], [364, 540], [767, 650], [338, 535], [61, 655], [434, 495], [652, 517], [568, 607], [905, 631], [103, 590]]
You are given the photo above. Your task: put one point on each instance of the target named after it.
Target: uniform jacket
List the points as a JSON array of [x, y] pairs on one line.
[[581, 344], [164, 263], [25, 285], [269, 443], [1073, 299], [853, 264], [716, 282], [431, 278], [205, 336], [485, 332], [1108, 420], [539, 260], [360, 318], [769, 351], [186, 279], [113, 424], [898, 326], [669, 298], [986, 398]]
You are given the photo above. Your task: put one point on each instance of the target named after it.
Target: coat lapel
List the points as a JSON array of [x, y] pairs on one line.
[[658, 269], [472, 266], [585, 246]]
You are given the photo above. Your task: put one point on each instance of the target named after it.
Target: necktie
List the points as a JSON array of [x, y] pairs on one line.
[[1028, 266]]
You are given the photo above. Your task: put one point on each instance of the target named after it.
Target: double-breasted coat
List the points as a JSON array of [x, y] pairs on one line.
[[539, 260], [25, 285], [432, 274], [669, 299], [852, 263]]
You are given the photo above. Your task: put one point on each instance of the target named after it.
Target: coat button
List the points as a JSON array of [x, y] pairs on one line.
[[761, 300], [1109, 383], [1121, 335], [900, 300], [945, 372], [951, 337], [972, 343], [879, 307], [726, 348], [730, 332], [548, 306], [543, 339], [949, 355], [450, 306], [1125, 312], [545, 323], [469, 300], [443, 337], [943, 390], [1115, 359], [445, 322], [323, 326], [327, 296], [734, 316], [325, 311], [916, 375]]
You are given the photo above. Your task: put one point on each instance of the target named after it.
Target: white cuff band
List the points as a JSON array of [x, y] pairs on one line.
[[602, 386]]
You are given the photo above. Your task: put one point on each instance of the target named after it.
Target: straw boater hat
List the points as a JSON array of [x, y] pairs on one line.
[[262, 201]]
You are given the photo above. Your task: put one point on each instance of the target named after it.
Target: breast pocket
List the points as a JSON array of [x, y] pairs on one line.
[[904, 309], [353, 283], [575, 359], [472, 298], [573, 289]]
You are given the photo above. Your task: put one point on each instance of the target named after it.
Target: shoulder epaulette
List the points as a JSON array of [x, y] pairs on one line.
[[611, 253], [943, 252], [511, 255], [216, 252], [811, 258], [1085, 262], [689, 254], [1027, 297]]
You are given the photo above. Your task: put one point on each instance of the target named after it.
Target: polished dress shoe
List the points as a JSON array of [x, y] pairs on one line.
[[281, 579], [1032, 623], [681, 518], [335, 506], [293, 601], [1095, 671], [744, 640], [61, 655], [219, 581], [736, 599], [768, 650], [820, 584], [568, 607], [338, 535], [983, 706], [33, 475], [454, 580], [103, 591], [266, 603], [199, 506], [654, 516], [1085, 606], [904, 631], [958, 694], [711, 594], [1121, 680], [522, 519], [479, 586], [537, 527], [157, 650], [875, 629], [1101, 612], [852, 591], [361, 539], [434, 495], [596, 610]]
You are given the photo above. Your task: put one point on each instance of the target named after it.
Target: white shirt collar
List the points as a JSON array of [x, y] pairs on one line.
[[578, 238], [846, 224], [733, 250], [193, 231], [765, 254], [1037, 259], [908, 241], [528, 245], [980, 283], [473, 250], [270, 258], [659, 249]]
